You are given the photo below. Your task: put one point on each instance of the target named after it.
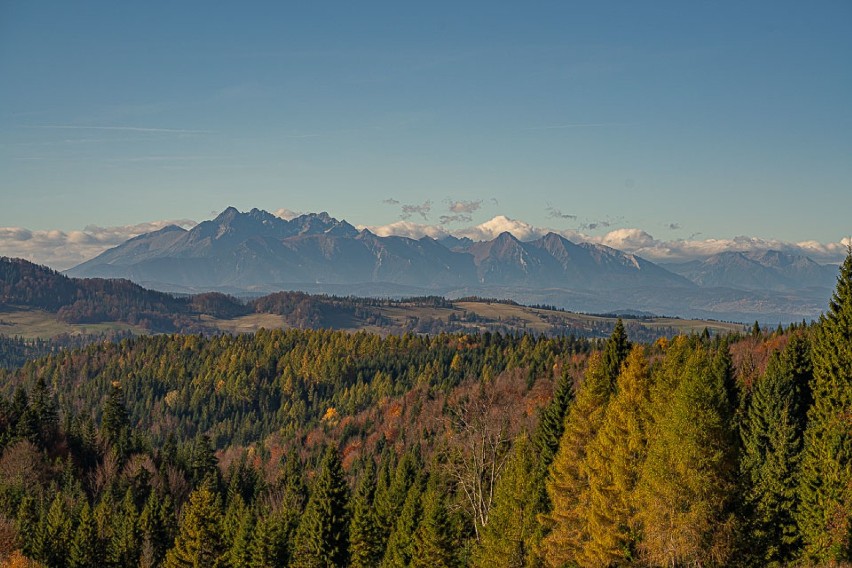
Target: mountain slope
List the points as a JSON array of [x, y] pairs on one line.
[[258, 253], [758, 270], [257, 250]]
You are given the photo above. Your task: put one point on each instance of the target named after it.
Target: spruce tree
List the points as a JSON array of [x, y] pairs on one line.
[[124, 546], [615, 351], [54, 534], [84, 546], [154, 536], [115, 421], [271, 540], [103, 513], [400, 546], [365, 550], [240, 538], [44, 412], [203, 462], [275, 527], [322, 539], [825, 490], [551, 422], [392, 491], [234, 515], [433, 542], [199, 540], [167, 522], [290, 484], [27, 524], [545, 440], [772, 432]]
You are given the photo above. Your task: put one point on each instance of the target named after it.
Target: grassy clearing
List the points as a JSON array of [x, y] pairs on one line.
[[245, 324], [39, 324]]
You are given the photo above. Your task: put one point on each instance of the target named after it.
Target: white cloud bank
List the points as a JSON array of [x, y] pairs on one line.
[[407, 229], [636, 241], [643, 244], [64, 249], [286, 214], [61, 249]]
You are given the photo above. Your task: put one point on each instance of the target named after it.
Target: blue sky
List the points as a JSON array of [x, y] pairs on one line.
[[687, 120]]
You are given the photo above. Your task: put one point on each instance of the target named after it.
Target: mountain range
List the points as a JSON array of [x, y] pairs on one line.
[[256, 252], [758, 270]]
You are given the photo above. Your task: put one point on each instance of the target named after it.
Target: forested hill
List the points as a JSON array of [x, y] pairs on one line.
[[241, 389], [86, 300], [321, 448], [96, 300], [38, 302]]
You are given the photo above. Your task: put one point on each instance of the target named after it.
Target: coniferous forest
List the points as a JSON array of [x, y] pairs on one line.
[[313, 448]]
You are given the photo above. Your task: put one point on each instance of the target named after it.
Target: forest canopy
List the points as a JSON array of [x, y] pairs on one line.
[[327, 448]]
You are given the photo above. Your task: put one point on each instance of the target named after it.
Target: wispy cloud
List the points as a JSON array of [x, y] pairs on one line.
[[458, 218], [423, 210], [119, 128], [467, 207], [594, 225], [600, 224], [554, 213]]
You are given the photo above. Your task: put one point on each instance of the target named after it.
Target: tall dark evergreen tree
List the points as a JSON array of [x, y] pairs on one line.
[[291, 481], [365, 543], [125, 546], [85, 549], [44, 411], [825, 514], [154, 535], [772, 432], [392, 491], [551, 423], [240, 522], [54, 534], [615, 351], [271, 540], [27, 524], [203, 463], [115, 421], [322, 539], [400, 547], [433, 539]]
